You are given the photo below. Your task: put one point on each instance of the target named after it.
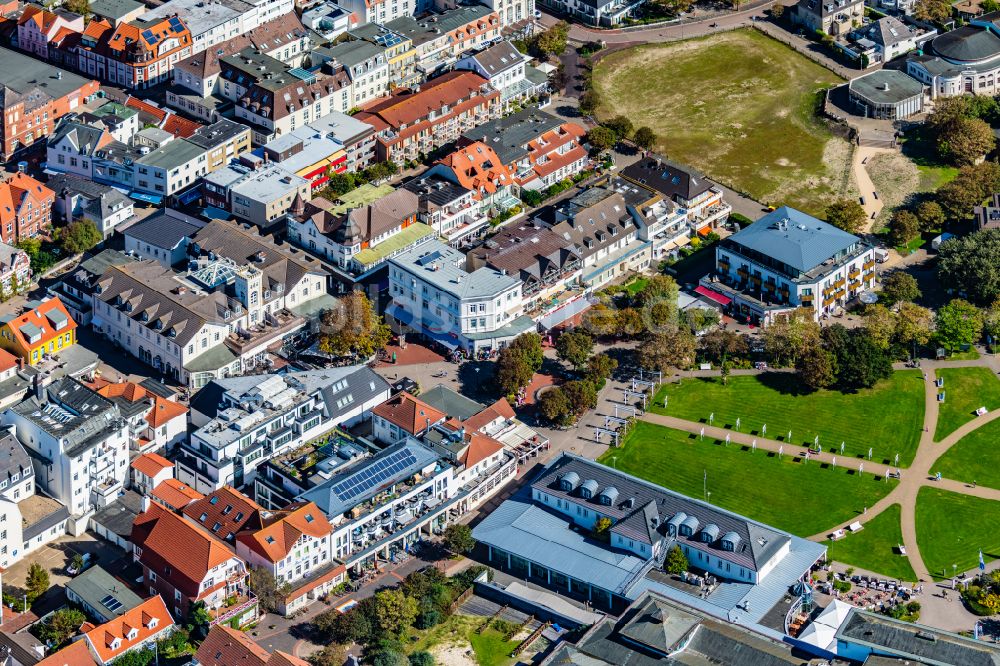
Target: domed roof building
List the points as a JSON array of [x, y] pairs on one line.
[[964, 60]]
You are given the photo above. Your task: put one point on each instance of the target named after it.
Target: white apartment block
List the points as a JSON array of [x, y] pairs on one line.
[[214, 22]]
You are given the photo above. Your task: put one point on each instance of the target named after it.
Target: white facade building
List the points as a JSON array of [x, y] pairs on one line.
[[217, 21]]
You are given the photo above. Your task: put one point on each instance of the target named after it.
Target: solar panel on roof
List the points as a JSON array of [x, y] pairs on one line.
[[176, 25], [148, 36], [111, 603]]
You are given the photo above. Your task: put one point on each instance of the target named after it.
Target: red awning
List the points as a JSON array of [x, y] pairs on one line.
[[713, 295]]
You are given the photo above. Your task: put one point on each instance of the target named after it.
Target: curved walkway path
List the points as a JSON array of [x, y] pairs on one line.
[[917, 475]]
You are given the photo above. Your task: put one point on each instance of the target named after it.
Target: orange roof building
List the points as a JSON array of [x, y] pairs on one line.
[[36, 27], [410, 122], [140, 627], [179, 559], [175, 494], [404, 414], [25, 208], [477, 167], [225, 513], [155, 421], [43, 330], [225, 646], [148, 471], [295, 545], [74, 654]]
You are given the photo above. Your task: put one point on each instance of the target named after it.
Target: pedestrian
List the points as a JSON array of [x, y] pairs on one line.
[[973, 483]]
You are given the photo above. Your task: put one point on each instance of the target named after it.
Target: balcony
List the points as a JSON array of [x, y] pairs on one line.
[[869, 264], [853, 273], [234, 606], [272, 328]]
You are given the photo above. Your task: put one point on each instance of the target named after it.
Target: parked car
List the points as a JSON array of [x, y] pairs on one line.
[[78, 566]]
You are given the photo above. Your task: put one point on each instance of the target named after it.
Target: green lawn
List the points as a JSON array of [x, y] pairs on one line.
[[966, 390], [740, 106], [802, 498], [888, 418], [636, 285], [874, 548], [974, 457], [953, 528], [491, 649]]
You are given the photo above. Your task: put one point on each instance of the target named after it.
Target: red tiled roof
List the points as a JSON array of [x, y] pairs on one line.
[[408, 412], [225, 646], [408, 107], [180, 127], [481, 447], [163, 410], [176, 550], [75, 654], [478, 168], [151, 464], [499, 409], [37, 317], [277, 539], [147, 619], [175, 494], [225, 513]]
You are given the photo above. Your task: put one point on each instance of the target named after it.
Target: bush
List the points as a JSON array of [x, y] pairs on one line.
[[742, 221], [421, 658]]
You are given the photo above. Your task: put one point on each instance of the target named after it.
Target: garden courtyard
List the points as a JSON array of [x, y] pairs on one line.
[[741, 107], [916, 528]]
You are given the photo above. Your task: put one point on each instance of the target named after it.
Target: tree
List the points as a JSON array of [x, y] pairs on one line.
[[676, 562], [899, 286], [518, 362], [77, 563], [590, 101], [991, 322], [602, 529], [394, 611], [846, 214], [816, 368], [971, 265], [353, 328], [669, 349], [644, 138], [553, 40], [601, 138], [931, 216], [61, 625], [903, 227], [600, 367], [601, 320], [388, 657], [554, 406], [581, 396], [867, 363], [658, 300], [965, 140], [786, 339], [958, 323], [777, 11], [969, 188], [880, 322], [673, 7], [934, 11], [914, 325], [79, 236], [458, 538], [422, 658], [199, 618], [621, 126], [264, 585], [354, 626], [575, 347], [629, 323], [81, 7], [719, 343], [37, 582], [141, 657]]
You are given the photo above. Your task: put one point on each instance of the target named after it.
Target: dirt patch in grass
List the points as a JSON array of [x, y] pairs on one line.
[[740, 107], [896, 179]]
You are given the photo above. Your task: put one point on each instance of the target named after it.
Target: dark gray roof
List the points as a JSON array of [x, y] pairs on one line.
[[165, 229], [969, 43], [13, 458], [509, 136], [73, 412], [923, 644], [435, 192], [886, 86], [499, 58], [71, 183], [103, 592], [98, 263], [84, 137], [674, 181], [118, 516], [592, 220], [368, 477], [794, 238], [217, 134], [639, 501], [433, 26], [451, 403], [25, 649], [34, 80], [114, 8]]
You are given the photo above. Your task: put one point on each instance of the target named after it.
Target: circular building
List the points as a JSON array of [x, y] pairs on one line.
[[887, 94], [964, 60]]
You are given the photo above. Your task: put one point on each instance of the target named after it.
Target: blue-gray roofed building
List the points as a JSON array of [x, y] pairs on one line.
[[787, 260], [434, 295], [543, 533]]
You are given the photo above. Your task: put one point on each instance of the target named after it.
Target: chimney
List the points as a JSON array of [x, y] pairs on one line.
[[145, 503], [36, 383]]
